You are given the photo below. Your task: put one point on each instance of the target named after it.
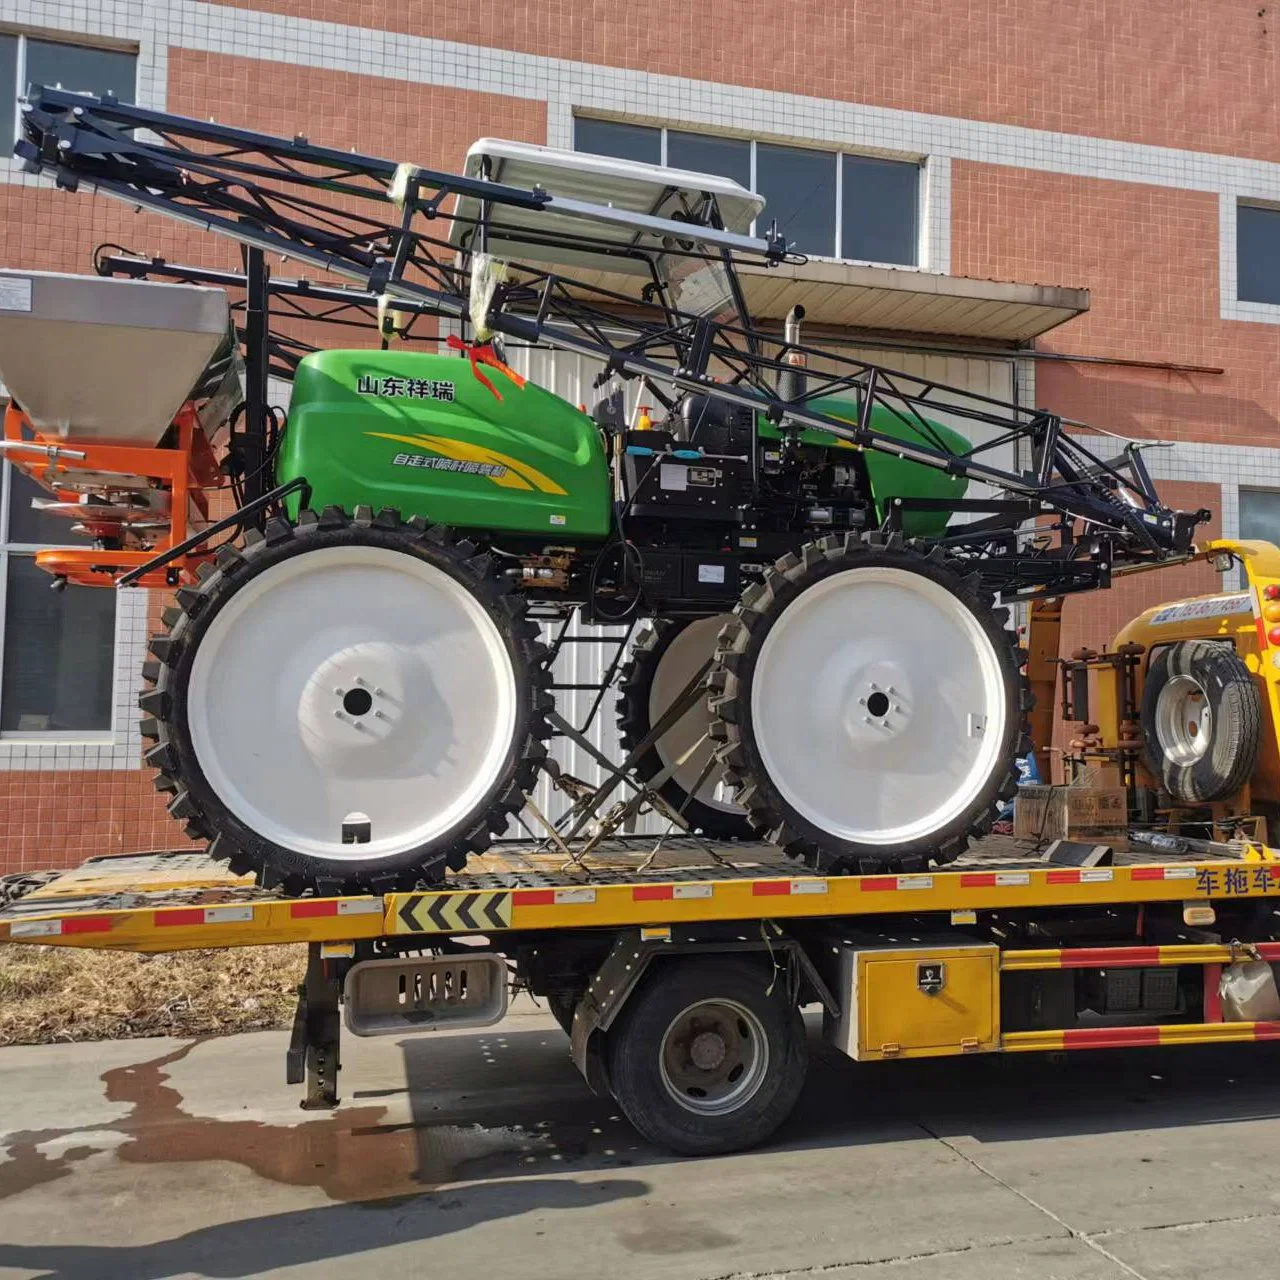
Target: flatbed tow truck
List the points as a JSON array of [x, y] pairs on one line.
[[680, 985], [678, 966]]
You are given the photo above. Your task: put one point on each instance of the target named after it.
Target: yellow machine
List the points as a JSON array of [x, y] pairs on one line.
[[1185, 705]]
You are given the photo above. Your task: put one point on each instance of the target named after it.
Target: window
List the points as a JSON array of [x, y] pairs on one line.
[[25, 60], [878, 212], [726, 157], [799, 189], [56, 648], [622, 141], [827, 203], [1260, 514], [1257, 253]]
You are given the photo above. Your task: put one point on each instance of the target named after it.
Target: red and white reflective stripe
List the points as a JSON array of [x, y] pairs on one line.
[[668, 892], [1080, 875], [172, 917], [1162, 873], [1110, 1037], [552, 897], [993, 879], [891, 883], [35, 928], [787, 888], [309, 910], [62, 928]]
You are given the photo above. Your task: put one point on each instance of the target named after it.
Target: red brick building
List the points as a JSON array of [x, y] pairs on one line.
[[1125, 154]]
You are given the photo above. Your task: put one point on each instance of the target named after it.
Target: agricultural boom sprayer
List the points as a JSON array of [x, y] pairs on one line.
[[351, 691]]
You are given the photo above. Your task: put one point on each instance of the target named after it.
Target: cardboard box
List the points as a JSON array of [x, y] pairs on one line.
[[1063, 813]]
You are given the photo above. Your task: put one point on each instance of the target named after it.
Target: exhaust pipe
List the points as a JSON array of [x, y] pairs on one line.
[[791, 381]]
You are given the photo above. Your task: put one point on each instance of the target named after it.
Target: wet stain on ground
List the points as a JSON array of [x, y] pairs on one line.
[[351, 1155], [28, 1167], [673, 1233]]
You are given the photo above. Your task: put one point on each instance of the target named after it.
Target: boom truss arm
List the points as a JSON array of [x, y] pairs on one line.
[[1059, 519]]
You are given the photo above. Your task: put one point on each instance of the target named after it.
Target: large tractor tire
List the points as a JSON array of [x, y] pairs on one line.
[[871, 703], [1201, 721], [665, 657], [347, 703]]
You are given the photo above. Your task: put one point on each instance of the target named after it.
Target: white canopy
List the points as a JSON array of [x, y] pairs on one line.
[[647, 190]]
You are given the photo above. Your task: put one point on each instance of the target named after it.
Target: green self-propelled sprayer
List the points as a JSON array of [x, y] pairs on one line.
[[351, 691]]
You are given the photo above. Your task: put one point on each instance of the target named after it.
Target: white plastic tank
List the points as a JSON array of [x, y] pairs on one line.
[[1248, 992]]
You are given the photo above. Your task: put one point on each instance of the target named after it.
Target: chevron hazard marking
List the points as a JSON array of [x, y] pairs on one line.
[[478, 912]]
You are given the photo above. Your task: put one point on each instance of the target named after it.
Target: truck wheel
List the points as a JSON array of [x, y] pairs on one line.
[[871, 704], [708, 1055], [1201, 720], [347, 704], [665, 657]]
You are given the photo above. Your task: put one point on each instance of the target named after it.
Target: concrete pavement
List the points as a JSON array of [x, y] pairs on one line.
[[482, 1154]]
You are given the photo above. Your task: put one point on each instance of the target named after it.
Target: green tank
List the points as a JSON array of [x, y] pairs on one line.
[[425, 435], [477, 448]]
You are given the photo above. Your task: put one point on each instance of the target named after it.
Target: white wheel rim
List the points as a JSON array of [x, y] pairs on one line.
[[352, 682], [679, 663], [1184, 721], [878, 706]]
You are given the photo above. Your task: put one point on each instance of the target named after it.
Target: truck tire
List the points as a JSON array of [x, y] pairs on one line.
[[708, 1055], [347, 704], [1201, 720], [664, 658], [871, 704]]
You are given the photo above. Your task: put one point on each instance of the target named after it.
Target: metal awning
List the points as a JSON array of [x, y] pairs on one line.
[[839, 295], [853, 296]]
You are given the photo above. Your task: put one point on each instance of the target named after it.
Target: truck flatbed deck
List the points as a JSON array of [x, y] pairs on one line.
[[174, 900], [688, 960]]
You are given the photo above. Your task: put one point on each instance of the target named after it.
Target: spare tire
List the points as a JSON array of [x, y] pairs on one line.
[[1201, 720]]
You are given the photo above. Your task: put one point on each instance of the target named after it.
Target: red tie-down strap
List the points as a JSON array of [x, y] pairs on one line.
[[483, 353]]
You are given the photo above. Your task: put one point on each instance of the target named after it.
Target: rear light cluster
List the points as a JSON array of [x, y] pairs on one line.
[[1271, 611]]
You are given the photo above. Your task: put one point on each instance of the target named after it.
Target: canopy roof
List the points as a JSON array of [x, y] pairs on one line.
[[528, 235]]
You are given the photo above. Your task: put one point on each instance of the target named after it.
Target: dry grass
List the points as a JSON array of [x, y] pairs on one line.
[[50, 994]]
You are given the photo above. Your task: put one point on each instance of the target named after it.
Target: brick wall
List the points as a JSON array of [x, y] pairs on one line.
[[1205, 76], [60, 819], [1149, 257], [423, 123]]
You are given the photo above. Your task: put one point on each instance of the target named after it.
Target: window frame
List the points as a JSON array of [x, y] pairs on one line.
[[1265, 206], [1241, 490], [1239, 572], [78, 42], [8, 549], [116, 733], [839, 152]]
